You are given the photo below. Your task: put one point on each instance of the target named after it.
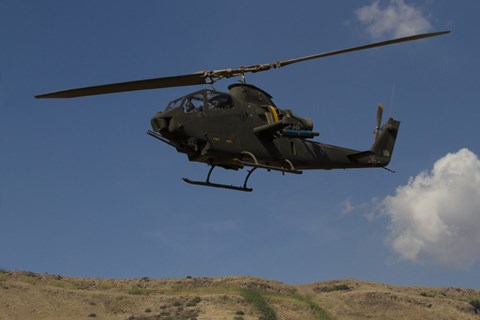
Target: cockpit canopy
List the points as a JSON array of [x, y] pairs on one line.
[[208, 100], [202, 100]]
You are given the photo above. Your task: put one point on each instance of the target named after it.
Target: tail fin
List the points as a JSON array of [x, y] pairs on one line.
[[385, 141]]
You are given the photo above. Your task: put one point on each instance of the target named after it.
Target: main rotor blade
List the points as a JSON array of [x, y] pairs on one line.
[[364, 47], [207, 77], [166, 82]]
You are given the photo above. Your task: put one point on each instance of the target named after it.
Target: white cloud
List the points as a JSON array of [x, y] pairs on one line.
[[435, 217], [397, 19], [346, 206]]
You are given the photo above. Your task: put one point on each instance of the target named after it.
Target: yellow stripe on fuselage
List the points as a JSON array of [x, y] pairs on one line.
[[274, 112]]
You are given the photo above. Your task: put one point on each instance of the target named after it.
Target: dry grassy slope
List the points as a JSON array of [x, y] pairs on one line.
[[26, 295]]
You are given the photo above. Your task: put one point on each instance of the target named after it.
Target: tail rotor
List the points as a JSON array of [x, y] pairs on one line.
[[379, 122]]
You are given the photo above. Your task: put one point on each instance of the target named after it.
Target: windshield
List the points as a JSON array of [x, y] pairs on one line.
[[174, 104], [218, 100], [195, 102]]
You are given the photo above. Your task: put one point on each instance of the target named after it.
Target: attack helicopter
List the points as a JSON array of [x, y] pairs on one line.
[[244, 128]]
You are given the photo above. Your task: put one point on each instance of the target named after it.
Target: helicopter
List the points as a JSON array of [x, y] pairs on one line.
[[245, 129]]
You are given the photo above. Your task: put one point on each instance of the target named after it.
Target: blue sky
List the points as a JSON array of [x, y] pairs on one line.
[[85, 192]]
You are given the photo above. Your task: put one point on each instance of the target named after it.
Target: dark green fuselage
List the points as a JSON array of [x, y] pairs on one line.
[[247, 126]]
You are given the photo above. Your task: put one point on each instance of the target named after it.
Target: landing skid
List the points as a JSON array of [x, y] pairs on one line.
[[217, 185], [254, 164], [207, 182]]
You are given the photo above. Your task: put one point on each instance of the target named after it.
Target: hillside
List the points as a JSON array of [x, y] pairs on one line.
[[27, 295]]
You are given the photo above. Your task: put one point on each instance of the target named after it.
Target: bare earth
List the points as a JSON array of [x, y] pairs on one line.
[[27, 295]]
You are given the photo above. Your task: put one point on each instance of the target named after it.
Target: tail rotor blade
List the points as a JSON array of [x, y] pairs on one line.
[[379, 121]]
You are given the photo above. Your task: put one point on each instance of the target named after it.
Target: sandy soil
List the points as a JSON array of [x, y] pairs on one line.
[[27, 295]]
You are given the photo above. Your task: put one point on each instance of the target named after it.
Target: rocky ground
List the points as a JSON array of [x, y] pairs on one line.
[[27, 295]]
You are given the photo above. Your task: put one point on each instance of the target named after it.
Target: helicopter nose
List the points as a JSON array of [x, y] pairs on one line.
[[159, 122], [174, 126]]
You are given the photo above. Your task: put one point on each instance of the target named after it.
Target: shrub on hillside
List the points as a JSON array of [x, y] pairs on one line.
[[476, 305]]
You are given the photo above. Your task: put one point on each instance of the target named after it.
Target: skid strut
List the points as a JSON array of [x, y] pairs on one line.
[[254, 164]]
